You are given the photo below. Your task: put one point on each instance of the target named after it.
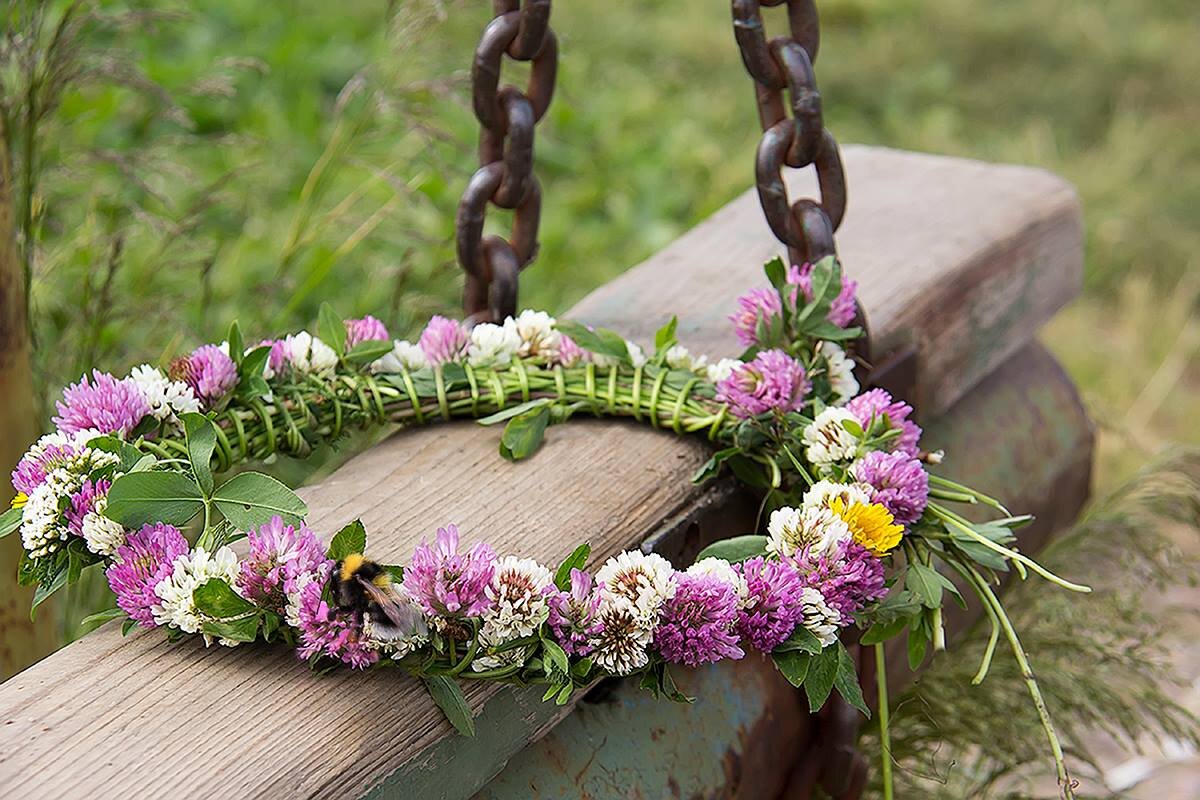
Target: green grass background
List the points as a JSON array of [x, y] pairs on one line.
[[231, 159]]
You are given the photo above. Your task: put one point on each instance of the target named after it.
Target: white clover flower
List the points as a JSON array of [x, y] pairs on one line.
[[809, 531], [291, 608], [722, 369], [637, 356], [166, 398], [536, 332], [678, 357], [192, 570], [639, 580], [840, 370], [518, 594], [822, 494], [307, 353], [621, 646], [819, 619], [103, 535], [42, 526], [723, 571], [493, 345], [395, 647], [404, 356], [827, 439]]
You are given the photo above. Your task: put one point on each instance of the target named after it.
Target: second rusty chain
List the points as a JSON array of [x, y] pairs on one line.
[[507, 116], [785, 63]]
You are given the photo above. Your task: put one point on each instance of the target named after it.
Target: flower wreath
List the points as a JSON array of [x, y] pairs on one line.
[[860, 532]]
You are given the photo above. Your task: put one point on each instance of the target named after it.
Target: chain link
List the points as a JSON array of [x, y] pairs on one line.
[[785, 63], [507, 117]]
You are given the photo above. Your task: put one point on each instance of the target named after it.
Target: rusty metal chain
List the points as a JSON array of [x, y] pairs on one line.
[[507, 115], [785, 63]]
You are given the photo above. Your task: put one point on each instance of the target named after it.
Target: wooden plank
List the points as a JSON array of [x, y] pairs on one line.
[[250, 723]]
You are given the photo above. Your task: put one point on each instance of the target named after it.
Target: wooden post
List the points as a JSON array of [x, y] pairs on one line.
[[21, 641]]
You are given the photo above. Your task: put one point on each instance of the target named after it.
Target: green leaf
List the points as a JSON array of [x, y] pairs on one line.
[[562, 575], [127, 626], [555, 661], [581, 668], [649, 683], [201, 441], [776, 273], [99, 618], [846, 681], [10, 521], [514, 411], [902, 604], [214, 598], [251, 368], [146, 497], [793, 665], [824, 290], [712, 467], [523, 434], [667, 686], [821, 674], [44, 590], [882, 631], [982, 554], [832, 333], [368, 351], [738, 548], [924, 582], [853, 428], [78, 557], [802, 639], [332, 329], [665, 336], [237, 630], [270, 624], [604, 342], [564, 694], [237, 345], [251, 499], [916, 646], [749, 472], [449, 698], [350, 539]]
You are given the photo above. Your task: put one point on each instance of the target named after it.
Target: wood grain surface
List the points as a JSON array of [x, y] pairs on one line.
[[964, 259]]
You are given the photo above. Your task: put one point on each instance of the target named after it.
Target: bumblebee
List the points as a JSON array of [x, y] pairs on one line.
[[362, 585]]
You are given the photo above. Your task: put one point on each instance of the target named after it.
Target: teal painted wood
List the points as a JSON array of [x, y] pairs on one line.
[[740, 735]]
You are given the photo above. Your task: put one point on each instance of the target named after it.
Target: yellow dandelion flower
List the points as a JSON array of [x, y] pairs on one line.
[[20, 500], [872, 524]]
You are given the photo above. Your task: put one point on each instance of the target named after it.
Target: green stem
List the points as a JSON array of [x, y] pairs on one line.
[[1012, 555], [1066, 784], [989, 651], [885, 741]]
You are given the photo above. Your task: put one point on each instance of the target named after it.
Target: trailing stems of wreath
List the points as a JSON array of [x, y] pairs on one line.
[[859, 538]]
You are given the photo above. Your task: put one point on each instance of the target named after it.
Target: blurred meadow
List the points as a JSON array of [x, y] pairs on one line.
[[179, 165]]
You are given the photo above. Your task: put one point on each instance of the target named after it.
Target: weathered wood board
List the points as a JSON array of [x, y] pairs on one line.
[[964, 259]]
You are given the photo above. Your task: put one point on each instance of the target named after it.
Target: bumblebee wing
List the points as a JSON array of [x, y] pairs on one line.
[[398, 613]]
